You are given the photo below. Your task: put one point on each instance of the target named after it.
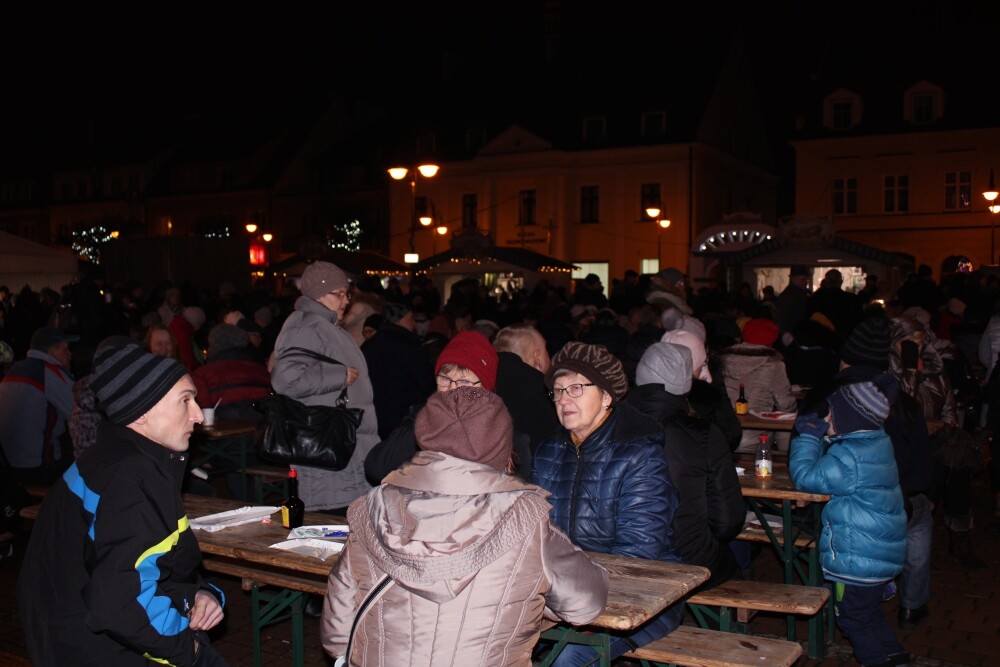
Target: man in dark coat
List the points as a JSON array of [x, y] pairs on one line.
[[791, 303], [842, 308], [401, 372], [112, 571], [521, 381]]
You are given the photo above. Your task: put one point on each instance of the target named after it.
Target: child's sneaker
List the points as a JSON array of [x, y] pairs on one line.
[[889, 592]]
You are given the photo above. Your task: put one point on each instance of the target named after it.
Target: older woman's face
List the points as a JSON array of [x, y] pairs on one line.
[[580, 416], [160, 343]]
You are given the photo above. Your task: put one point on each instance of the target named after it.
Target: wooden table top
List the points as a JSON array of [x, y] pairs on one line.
[[226, 428], [776, 487], [756, 423], [639, 588]]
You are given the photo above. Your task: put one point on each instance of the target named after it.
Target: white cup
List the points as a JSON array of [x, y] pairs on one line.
[[209, 416]]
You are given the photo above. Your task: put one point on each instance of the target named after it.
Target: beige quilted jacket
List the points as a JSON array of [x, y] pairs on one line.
[[475, 564]]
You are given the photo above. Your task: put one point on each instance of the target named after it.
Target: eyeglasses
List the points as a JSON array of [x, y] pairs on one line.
[[445, 382], [573, 391], [342, 294]]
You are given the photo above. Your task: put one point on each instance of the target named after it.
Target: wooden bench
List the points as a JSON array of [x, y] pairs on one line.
[[38, 491], [272, 607], [714, 648], [269, 482], [802, 541], [749, 597]]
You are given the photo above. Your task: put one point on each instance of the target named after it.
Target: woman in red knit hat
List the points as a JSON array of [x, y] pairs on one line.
[[468, 360]]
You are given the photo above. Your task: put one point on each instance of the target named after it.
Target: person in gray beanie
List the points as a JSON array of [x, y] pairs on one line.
[[608, 476], [465, 546], [711, 511], [848, 456], [115, 525]]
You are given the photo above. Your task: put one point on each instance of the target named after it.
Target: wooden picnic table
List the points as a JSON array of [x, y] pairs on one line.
[[222, 442], [639, 589], [795, 541], [756, 423]]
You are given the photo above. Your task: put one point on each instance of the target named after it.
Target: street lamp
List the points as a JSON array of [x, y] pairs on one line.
[[990, 195], [661, 224], [398, 174]]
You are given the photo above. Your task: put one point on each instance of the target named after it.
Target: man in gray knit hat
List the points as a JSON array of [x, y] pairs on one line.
[[111, 574]]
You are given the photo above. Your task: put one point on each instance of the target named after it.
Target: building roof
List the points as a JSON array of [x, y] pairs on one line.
[[774, 251], [519, 257], [358, 262]]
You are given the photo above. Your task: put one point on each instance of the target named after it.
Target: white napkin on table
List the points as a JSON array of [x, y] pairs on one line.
[[213, 522]]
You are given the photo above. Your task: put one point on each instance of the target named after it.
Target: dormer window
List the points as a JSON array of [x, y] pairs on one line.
[[842, 110], [842, 115], [654, 124], [923, 103], [594, 128]]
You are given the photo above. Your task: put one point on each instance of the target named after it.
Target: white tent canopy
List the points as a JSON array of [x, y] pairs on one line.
[[24, 262]]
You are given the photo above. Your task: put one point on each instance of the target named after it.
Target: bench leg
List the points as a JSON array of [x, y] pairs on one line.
[[601, 641], [271, 608]]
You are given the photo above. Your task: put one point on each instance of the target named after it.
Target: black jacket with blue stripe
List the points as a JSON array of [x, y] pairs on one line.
[[112, 566]]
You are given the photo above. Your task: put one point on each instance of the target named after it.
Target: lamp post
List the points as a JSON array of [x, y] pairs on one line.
[[990, 195], [661, 224], [398, 174]]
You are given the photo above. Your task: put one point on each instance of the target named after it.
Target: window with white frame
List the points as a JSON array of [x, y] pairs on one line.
[[957, 190], [590, 204], [845, 196], [843, 115], [648, 197], [896, 189], [923, 108], [470, 211], [527, 208]]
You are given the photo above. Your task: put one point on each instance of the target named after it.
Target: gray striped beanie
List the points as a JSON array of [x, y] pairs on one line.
[[129, 381], [868, 344]]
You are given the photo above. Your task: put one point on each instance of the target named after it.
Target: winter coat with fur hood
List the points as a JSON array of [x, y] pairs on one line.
[[762, 372]]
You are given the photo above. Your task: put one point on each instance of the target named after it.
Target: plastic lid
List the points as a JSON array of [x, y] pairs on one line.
[[762, 437], [292, 473]]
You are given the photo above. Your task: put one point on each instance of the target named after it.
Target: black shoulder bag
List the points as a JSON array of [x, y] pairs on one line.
[[319, 436]]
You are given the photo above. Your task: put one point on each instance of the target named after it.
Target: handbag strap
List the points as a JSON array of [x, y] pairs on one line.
[[342, 399], [366, 604], [313, 354]]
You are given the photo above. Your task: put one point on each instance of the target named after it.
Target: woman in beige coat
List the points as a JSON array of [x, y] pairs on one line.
[[473, 562]]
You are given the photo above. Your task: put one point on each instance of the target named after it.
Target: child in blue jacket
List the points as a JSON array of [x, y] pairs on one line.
[[863, 543]]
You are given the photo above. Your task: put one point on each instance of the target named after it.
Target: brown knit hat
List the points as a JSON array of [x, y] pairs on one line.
[[321, 278], [469, 423], [595, 363]]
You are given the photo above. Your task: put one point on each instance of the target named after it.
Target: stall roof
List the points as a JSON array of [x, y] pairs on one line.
[[520, 257], [356, 262], [781, 254]]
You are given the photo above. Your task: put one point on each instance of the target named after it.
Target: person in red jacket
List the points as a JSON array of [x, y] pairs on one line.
[[232, 379]]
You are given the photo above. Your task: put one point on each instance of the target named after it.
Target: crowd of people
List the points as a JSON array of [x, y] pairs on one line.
[[501, 436]]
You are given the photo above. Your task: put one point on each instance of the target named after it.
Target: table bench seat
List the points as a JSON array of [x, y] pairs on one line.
[[747, 597], [248, 576], [760, 535], [713, 648]]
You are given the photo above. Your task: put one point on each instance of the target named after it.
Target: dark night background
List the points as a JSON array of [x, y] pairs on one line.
[[72, 79]]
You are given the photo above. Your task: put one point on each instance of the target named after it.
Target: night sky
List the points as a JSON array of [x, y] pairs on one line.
[[152, 63]]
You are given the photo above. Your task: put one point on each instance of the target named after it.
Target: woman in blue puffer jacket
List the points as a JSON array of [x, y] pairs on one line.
[[863, 544], [608, 476]]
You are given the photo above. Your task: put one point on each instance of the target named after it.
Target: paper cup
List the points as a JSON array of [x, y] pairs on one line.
[[209, 416]]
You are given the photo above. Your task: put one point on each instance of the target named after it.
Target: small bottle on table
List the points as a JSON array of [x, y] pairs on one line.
[[742, 407], [292, 509], [764, 464]]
